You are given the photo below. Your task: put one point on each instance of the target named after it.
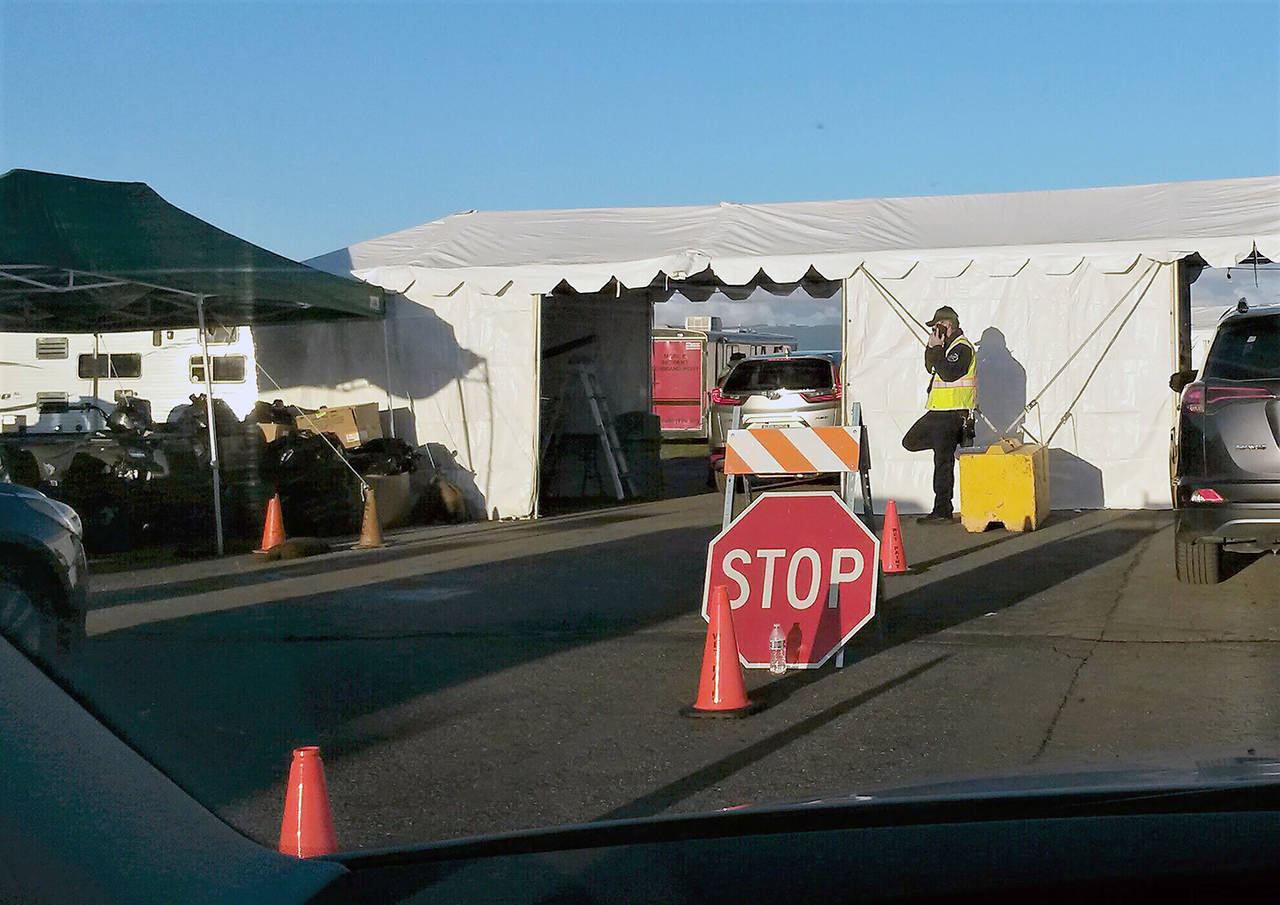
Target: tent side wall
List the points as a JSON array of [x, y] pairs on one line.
[[459, 369], [1112, 452]]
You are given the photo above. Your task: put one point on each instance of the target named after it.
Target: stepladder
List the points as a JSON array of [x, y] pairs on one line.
[[756, 458], [581, 383]]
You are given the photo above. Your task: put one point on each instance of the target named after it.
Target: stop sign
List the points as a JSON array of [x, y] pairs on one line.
[[803, 561]]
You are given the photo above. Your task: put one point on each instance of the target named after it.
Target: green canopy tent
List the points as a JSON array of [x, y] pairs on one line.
[[88, 256]]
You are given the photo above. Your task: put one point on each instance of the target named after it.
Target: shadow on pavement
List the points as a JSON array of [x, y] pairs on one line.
[[717, 772], [1235, 563], [339, 562], [1001, 583], [921, 611], [218, 700], [955, 541]]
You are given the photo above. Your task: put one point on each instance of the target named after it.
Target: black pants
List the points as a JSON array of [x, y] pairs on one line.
[[942, 432]]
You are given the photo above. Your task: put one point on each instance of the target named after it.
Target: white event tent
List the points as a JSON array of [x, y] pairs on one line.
[[1045, 282]]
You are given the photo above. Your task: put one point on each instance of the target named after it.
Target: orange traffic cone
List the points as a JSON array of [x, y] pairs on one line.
[[370, 530], [721, 692], [307, 828], [893, 559], [272, 526]]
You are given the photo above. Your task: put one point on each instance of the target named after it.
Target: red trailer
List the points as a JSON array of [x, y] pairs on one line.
[[689, 361]]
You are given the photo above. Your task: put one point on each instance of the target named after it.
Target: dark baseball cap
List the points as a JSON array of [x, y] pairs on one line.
[[945, 313]]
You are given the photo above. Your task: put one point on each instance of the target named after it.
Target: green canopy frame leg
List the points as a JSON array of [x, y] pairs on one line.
[[213, 430]]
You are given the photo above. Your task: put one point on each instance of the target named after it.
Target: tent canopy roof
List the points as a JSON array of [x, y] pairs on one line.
[[84, 255], [1222, 220]]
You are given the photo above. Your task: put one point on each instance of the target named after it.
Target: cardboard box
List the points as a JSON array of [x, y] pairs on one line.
[[354, 424], [272, 431]]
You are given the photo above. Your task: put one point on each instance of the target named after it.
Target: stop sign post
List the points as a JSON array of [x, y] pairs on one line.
[[803, 561]]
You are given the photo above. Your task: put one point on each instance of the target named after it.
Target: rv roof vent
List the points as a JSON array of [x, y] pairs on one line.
[[701, 322]]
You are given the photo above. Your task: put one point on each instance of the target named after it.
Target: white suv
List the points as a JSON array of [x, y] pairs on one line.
[[801, 390]]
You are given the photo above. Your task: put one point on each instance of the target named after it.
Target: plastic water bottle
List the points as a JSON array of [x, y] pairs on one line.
[[777, 651]]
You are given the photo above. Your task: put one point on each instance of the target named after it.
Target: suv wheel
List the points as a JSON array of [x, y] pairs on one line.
[[1197, 563]]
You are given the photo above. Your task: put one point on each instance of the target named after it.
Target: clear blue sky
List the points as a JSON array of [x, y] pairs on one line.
[[306, 127]]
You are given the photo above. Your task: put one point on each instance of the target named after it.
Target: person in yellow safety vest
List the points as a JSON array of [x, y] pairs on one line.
[[952, 363]]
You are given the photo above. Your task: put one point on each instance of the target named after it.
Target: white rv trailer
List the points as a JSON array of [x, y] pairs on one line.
[[161, 366]]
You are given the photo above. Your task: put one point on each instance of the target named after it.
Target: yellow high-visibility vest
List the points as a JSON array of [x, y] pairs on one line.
[[956, 394]]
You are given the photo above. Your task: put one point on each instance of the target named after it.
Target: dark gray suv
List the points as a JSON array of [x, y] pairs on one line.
[[1226, 447]]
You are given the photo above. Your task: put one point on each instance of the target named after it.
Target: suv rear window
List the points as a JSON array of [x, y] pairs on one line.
[[1247, 349], [788, 374]]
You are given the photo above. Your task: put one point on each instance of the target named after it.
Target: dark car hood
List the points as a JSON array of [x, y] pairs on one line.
[[1233, 785], [1206, 774]]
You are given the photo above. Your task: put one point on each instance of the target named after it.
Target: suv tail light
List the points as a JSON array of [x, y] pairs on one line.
[[1215, 394], [831, 395], [1193, 399], [1206, 496], [719, 398], [1200, 396]]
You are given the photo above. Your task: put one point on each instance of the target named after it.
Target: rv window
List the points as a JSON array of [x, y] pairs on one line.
[[226, 368], [51, 347], [125, 365]]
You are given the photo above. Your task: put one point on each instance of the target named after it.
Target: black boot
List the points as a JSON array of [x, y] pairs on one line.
[[934, 518]]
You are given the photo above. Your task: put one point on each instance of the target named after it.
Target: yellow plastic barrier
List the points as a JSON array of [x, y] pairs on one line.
[[1009, 484]]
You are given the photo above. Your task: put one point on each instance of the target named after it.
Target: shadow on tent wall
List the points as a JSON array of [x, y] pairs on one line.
[[1073, 482], [1002, 394], [347, 363], [1002, 388], [426, 357]]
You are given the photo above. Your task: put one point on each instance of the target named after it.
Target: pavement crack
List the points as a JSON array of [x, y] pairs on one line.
[[1121, 587], [1062, 705], [1068, 654]]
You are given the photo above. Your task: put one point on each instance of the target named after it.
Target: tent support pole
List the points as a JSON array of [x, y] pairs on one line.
[[539, 301], [95, 368], [213, 432], [386, 354]]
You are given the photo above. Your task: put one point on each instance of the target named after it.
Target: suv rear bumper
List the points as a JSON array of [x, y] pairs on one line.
[[1243, 527]]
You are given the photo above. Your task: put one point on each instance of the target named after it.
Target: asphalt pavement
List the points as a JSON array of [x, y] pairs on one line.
[[491, 677]]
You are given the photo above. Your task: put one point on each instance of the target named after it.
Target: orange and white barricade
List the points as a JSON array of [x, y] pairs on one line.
[[773, 452]]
